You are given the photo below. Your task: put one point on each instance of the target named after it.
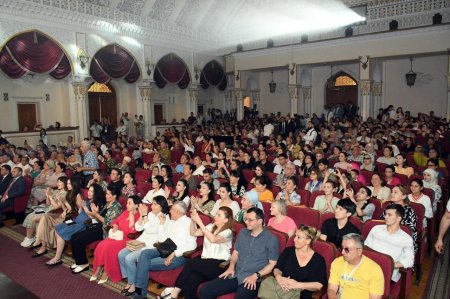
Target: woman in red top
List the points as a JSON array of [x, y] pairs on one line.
[[106, 253]]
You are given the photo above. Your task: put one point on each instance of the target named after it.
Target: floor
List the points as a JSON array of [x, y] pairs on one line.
[[11, 290]]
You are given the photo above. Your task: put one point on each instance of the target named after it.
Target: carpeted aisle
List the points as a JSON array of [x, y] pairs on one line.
[[34, 275], [438, 284]]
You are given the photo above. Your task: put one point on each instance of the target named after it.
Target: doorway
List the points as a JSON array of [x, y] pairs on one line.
[[102, 103], [158, 111], [343, 91], [27, 115]]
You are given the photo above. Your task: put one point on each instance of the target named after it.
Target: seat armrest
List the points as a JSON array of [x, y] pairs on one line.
[[319, 293]]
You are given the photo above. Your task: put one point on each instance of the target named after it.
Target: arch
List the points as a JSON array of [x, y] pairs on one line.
[[33, 51], [171, 68], [346, 89], [113, 62], [213, 74], [99, 100]]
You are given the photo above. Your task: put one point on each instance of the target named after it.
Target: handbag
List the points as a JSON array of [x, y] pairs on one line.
[[270, 289], [117, 235], [165, 248]]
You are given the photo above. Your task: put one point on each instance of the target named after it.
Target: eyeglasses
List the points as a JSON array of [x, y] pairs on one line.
[[366, 158], [249, 220], [431, 165], [347, 249]]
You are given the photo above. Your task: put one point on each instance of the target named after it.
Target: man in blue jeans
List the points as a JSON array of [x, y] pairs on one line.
[[178, 230], [255, 254]]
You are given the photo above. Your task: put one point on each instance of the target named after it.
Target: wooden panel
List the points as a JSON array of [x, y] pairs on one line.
[[27, 115], [158, 111]]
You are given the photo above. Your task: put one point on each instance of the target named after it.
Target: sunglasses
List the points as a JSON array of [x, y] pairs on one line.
[[366, 158], [347, 249]]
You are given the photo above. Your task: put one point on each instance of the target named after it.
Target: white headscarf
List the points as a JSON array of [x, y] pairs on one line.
[[433, 185]]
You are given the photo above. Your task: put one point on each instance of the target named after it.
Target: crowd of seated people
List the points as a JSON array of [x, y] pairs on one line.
[[189, 191]]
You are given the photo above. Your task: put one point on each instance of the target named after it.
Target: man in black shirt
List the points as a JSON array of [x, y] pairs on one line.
[[334, 229]]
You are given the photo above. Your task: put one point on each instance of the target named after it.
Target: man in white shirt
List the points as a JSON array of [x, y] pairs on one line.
[[443, 227], [268, 129], [311, 134], [96, 128], [279, 167], [6, 160], [199, 167], [390, 239], [178, 230]]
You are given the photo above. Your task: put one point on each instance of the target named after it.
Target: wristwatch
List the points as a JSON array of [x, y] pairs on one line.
[[258, 275]]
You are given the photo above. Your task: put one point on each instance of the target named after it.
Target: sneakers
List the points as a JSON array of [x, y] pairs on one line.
[[27, 242]]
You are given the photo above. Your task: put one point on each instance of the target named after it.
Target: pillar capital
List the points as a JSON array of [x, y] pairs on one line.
[[365, 87], [306, 90], [293, 91], [193, 93], [80, 90], [146, 92]]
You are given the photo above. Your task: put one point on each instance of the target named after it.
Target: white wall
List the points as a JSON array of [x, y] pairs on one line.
[[278, 101], [429, 91]]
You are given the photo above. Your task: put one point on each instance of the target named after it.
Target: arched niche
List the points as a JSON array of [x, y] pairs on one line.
[[171, 69]]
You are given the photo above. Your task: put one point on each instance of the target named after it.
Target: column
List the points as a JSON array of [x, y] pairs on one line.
[[377, 91], [193, 95], [146, 93], [448, 87], [364, 88], [293, 96], [239, 104], [81, 92], [307, 98], [228, 94]]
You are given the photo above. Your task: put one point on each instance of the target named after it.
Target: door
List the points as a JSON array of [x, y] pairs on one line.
[[102, 103], [27, 115], [158, 111]]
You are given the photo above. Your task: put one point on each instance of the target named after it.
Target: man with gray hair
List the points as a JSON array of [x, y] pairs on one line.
[[90, 163], [354, 275], [178, 230]]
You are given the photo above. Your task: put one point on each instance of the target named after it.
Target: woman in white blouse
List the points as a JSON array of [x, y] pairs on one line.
[[379, 191], [157, 189], [225, 200], [417, 196], [153, 225], [216, 249]]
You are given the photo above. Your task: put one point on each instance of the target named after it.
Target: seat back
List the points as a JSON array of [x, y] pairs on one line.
[[403, 178], [304, 215], [327, 250], [367, 175], [266, 210], [281, 237], [142, 188], [147, 158], [378, 209], [419, 209], [305, 195], [325, 217], [312, 198], [142, 175], [386, 264]]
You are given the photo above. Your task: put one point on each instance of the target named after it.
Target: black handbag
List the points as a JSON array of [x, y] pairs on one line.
[[165, 248]]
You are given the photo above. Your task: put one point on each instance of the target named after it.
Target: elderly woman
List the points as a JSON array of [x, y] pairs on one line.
[[225, 200], [65, 230], [98, 230], [45, 232], [299, 269], [367, 163], [261, 186], [249, 200], [55, 199], [178, 230], [430, 180], [388, 156], [279, 220], [216, 249], [37, 168], [152, 224], [106, 252], [40, 183]]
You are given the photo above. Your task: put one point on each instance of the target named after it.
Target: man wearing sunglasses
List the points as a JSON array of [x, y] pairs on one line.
[[354, 275], [255, 254], [390, 239]]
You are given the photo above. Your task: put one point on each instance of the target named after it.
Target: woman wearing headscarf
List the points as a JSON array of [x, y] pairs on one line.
[[430, 180]]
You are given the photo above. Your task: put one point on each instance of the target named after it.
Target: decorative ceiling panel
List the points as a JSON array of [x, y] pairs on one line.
[[131, 6], [162, 10], [189, 14], [99, 2]]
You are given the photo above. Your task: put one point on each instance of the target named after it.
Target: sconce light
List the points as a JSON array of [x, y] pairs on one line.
[[150, 66], [292, 70], [47, 97], [83, 58], [393, 25], [348, 31], [269, 43], [304, 38], [5, 97], [411, 75], [272, 85], [237, 75], [331, 82], [364, 63], [196, 71]]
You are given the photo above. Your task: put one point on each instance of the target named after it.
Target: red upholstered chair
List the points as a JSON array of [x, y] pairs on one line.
[[176, 155], [142, 175], [367, 175], [266, 209], [378, 209], [20, 202], [142, 188], [421, 239], [272, 176], [282, 238], [275, 190], [304, 215], [380, 166], [329, 252], [403, 178], [248, 174], [431, 222], [354, 220], [387, 266], [147, 158], [305, 195], [176, 177]]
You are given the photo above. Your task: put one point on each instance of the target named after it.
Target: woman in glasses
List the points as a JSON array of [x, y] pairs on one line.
[[367, 163], [299, 268]]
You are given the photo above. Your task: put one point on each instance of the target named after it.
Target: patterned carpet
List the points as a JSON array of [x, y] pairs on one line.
[[57, 282]]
